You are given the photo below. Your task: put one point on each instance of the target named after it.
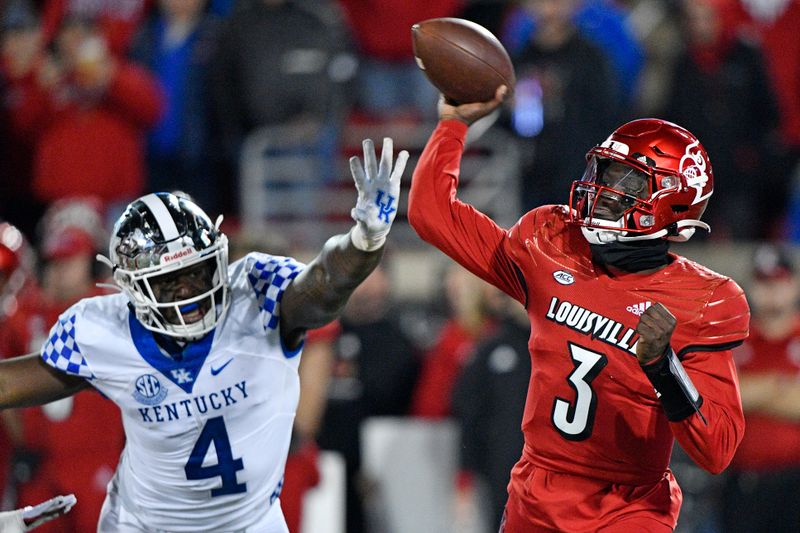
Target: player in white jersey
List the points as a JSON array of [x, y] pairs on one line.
[[202, 357]]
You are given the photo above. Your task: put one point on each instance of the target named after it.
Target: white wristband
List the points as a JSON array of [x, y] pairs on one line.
[[360, 240]]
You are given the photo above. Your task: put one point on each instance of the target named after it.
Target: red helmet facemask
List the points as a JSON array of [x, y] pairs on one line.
[[650, 179]]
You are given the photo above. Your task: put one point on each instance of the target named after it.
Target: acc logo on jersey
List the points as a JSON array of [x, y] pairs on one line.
[[149, 390], [693, 167], [564, 278]]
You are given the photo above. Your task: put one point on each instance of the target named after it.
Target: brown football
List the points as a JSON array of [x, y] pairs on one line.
[[462, 59]]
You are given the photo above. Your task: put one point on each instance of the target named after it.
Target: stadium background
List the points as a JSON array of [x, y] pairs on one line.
[[253, 107]]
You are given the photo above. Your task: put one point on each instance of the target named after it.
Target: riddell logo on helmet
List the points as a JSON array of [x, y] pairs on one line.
[[695, 171], [180, 254]]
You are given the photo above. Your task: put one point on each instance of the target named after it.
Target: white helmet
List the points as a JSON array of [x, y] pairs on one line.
[[161, 234]]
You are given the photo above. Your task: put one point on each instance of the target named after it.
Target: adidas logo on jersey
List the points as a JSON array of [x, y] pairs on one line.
[[640, 308]]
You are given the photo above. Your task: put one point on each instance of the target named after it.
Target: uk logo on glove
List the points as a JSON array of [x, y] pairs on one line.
[[378, 188]]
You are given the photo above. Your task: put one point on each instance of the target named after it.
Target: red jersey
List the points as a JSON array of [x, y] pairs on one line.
[[770, 442], [591, 411]]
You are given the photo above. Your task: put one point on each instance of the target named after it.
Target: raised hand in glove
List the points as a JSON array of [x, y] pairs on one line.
[[31, 517], [378, 192]]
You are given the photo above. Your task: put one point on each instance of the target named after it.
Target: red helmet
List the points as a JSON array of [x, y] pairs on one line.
[[650, 179], [16, 265]]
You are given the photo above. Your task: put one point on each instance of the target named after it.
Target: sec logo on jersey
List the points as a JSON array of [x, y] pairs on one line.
[[149, 390]]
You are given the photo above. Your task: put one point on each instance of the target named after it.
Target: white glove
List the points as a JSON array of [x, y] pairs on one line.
[[378, 192], [31, 517]]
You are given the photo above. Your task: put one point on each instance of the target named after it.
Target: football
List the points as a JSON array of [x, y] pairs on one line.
[[462, 59]]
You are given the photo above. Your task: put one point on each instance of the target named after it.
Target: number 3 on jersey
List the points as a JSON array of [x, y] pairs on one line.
[[575, 420], [214, 432]]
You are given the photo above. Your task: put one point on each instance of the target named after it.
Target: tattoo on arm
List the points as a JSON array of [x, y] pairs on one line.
[[319, 293]]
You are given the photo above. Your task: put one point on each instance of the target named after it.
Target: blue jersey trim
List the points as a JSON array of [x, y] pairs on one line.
[[183, 368], [61, 350], [269, 278], [287, 353]]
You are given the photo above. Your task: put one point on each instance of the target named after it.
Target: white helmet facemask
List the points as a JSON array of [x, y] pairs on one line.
[[159, 240]]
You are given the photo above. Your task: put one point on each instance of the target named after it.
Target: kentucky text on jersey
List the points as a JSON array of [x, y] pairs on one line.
[[197, 405], [590, 323]]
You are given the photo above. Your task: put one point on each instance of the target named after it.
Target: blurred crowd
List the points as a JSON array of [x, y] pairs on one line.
[[103, 100], [112, 98]]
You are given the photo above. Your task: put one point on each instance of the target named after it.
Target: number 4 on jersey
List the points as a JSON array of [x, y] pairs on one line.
[[575, 420], [214, 432]]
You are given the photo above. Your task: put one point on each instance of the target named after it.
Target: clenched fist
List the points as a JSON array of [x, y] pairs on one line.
[[655, 330]]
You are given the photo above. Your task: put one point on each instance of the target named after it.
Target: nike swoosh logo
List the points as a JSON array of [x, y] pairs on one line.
[[215, 371]]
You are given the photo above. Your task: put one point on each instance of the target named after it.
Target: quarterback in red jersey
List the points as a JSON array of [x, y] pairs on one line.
[[630, 344]]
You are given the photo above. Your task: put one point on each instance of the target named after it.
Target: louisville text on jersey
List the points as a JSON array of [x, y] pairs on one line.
[[197, 405], [594, 324]]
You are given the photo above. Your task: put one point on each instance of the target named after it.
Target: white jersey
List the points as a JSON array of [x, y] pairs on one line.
[[207, 435]]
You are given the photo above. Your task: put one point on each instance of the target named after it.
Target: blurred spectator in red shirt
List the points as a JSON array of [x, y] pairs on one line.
[[775, 24], [87, 113], [63, 449], [118, 20], [470, 321], [720, 91], [763, 487], [388, 80]]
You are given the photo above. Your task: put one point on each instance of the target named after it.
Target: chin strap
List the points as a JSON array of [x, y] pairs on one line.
[[680, 231], [683, 231]]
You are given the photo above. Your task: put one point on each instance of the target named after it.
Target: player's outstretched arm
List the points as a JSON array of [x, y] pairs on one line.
[[319, 293], [27, 381]]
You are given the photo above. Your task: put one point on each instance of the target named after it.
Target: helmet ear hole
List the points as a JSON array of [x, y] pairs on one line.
[[680, 208], [659, 151]]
